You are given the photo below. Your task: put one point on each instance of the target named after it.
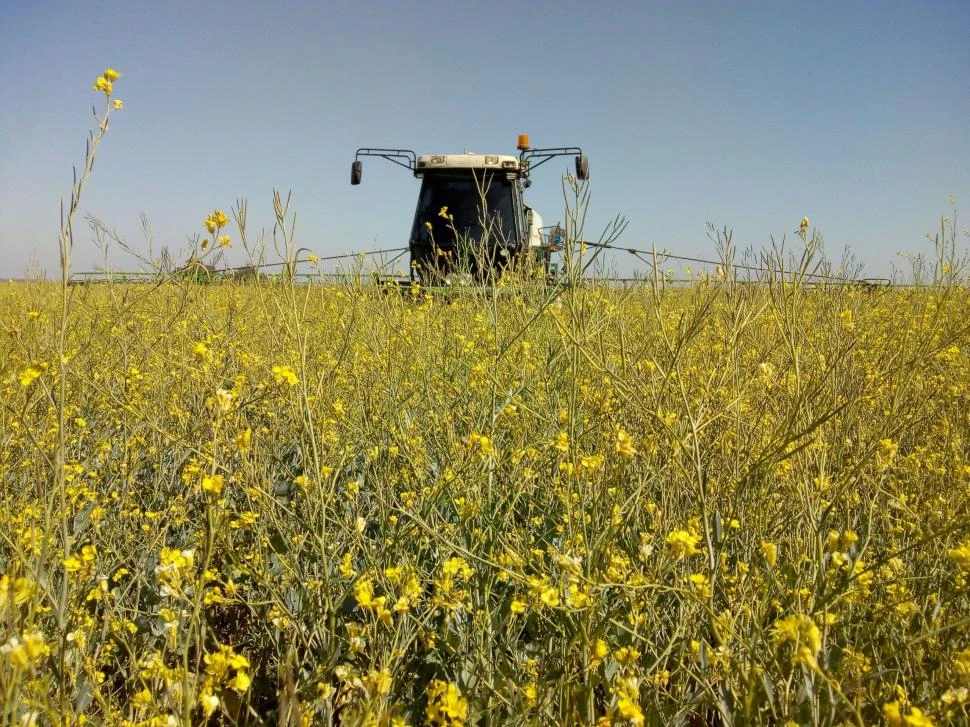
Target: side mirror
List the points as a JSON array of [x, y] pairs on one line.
[[582, 167], [355, 171]]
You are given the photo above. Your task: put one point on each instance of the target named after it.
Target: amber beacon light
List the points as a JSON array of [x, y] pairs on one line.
[[523, 142]]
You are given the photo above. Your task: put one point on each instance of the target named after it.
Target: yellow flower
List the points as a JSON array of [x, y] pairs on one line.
[[446, 706], [599, 652], [888, 448], [629, 710], [402, 605], [35, 645], [102, 84], [224, 241], [364, 592], [591, 462], [803, 227], [213, 484], [244, 441], [627, 655], [313, 258], [222, 401], [458, 567], [627, 692], [285, 375], [892, 714], [347, 566], [600, 649], [119, 104], [482, 444], [379, 681], [561, 443], [16, 653], [916, 718], [960, 695], [578, 599], [682, 543], [700, 583], [110, 74], [72, 564], [961, 664], [770, 552], [798, 628], [31, 374], [805, 656], [173, 566], [26, 650], [240, 682], [961, 555], [209, 703], [19, 592], [142, 699], [550, 597], [624, 444]]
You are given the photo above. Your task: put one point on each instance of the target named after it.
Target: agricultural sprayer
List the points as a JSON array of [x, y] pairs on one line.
[[471, 221]]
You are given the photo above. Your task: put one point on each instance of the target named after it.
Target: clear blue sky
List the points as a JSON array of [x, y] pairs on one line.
[[748, 115]]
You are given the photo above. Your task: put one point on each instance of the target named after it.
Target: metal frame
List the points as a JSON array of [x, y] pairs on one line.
[[392, 155], [408, 159], [545, 155]]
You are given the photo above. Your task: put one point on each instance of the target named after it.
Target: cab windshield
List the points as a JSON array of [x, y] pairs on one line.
[[451, 205]]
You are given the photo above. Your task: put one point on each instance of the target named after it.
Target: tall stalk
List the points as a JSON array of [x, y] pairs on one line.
[[66, 244]]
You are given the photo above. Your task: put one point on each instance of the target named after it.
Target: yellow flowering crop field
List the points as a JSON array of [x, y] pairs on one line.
[[271, 503], [315, 504]]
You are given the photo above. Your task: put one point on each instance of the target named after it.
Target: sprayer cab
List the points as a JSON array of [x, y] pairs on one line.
[[471, 220]]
